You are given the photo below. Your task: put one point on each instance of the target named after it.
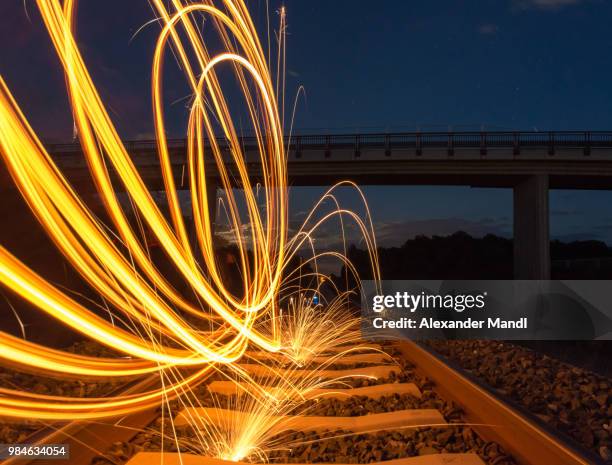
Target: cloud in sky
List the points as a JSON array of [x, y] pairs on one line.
[[565, 212], [544, 4], [396, 233], [488, 29]]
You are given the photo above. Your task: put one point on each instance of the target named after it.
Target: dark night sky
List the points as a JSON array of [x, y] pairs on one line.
[[368, 66]]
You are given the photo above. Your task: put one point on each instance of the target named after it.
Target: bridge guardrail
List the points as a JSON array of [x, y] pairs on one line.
[[516, 140]]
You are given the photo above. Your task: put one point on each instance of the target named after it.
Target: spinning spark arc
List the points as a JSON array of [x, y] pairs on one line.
[[161, 340]]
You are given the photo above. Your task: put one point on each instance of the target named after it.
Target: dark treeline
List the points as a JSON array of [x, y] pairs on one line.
[[461, 256]]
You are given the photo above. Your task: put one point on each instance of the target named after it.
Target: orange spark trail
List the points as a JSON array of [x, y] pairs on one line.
[[159, 339], [141, 293]]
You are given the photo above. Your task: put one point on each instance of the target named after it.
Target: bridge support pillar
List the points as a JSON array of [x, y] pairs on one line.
[[211, 194], [531, 230]]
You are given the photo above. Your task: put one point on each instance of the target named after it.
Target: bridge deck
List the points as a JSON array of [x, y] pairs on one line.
[[572, 160]]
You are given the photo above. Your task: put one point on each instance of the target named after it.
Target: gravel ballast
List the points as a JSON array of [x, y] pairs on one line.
[[574, 401]]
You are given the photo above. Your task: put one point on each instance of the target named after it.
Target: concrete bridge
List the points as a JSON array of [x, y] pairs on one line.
[[530, 163]]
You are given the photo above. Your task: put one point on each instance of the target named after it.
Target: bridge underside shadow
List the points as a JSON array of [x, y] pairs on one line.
[[530, 198], [528, 163]]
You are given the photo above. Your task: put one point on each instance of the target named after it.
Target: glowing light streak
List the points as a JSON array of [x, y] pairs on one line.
[[154, 335]]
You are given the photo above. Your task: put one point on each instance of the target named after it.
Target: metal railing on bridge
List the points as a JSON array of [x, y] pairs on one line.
[[419, 141]]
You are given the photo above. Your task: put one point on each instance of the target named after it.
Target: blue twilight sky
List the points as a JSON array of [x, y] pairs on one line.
[[369, 66]]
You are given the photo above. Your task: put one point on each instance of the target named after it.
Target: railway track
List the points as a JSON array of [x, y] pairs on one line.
[[485, 420], [493, 418]]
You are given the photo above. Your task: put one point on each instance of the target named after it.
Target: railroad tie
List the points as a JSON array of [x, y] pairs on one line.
[[173, 458]]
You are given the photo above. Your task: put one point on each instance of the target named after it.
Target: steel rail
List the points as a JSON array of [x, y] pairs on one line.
[[493, 418]]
